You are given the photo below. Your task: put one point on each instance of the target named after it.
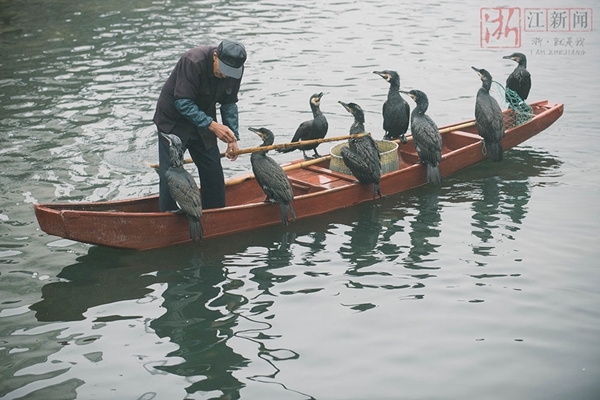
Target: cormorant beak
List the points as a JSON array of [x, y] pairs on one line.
[[511, 58], [382, 74], [258, 131], [167, 137], [478, 71], [345, 106], [409, 94]]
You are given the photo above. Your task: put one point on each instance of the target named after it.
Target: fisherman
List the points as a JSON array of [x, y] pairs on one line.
[[203, 77]]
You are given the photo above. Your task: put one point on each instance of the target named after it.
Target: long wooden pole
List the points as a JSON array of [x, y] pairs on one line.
[[281, 146], [457, 127], [444, 130], [318, 141], [296, 144], [298, 165]]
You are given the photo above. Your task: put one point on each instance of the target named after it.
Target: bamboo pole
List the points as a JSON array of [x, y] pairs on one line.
[[297, 144], [318, 141], [281, 146], [457, 127], [298, 165], [409, 138]]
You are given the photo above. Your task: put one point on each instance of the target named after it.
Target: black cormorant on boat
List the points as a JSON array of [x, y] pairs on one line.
[[315, 128], [396, 111], [426, 137], [488, 116], [362, 154], [271, 177], [520, 79], [183, 188]]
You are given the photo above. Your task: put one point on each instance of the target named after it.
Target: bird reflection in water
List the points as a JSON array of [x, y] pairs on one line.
[[200, 317], [499, 211], [424, 227], [499, 203], [364, 236]]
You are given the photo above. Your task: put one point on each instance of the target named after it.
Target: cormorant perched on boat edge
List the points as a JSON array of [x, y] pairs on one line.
[[183, 188], [426, 137], [271, 177], [396, 111], [488, 116], [315, 128], [362, 154], [520, 79]]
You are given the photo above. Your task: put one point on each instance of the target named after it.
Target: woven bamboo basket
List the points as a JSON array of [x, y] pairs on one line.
[[387, 149]]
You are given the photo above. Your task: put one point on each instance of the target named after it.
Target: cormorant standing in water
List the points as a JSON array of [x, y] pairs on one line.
[[315, 128], [362, 154], [520, 79], [182, 187], [396, 111], [271, 177], [426, 137], [489, 117]]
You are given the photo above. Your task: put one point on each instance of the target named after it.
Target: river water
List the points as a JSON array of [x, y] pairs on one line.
[[486, 288]]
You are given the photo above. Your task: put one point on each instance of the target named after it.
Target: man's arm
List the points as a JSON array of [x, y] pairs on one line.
[[192, 113], [229, 115]]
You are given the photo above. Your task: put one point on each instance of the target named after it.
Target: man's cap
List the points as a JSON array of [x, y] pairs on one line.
[[232, 56]]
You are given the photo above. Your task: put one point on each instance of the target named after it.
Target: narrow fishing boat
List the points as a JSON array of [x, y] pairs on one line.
[[318, 187]]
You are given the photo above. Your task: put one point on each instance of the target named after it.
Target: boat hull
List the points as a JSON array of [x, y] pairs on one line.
[[138, 224]]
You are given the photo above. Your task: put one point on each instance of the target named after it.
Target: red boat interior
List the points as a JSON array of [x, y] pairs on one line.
[[318, 177]]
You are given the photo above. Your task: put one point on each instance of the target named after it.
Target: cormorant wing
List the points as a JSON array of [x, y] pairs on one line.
[[396, 116], [428, 140], [488, 116], [184, 191], [273, 180], [520, 81], [303, 132], [359, 167]]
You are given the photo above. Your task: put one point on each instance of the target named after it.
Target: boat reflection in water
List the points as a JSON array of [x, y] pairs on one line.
[[200, 308], [204, 312]]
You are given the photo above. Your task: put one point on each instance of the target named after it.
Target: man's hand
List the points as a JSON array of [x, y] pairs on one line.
[[231, 147], [226, 135], [222, 132]]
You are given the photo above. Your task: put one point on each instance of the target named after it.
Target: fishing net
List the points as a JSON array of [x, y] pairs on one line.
[[518, 111]]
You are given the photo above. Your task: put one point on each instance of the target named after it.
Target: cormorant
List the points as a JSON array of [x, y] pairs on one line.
[[183, 188], [396, 111], [520, 79], [315, 128], [426, 137], [489, 117], [271, 177], [362, 154]]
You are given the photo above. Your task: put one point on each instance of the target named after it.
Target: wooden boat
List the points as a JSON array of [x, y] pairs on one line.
[[138, 224]]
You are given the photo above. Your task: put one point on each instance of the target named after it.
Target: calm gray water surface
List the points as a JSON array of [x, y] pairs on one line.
[[487, 288]]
